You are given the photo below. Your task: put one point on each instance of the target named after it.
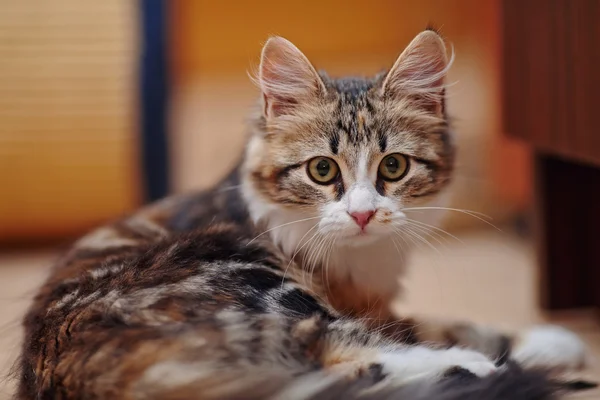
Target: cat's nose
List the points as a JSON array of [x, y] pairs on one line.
[[362, 218]]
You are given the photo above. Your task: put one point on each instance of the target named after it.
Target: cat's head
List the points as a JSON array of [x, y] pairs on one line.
[[349, 155]]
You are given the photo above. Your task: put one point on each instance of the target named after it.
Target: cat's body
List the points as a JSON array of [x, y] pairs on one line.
[[278, 280]]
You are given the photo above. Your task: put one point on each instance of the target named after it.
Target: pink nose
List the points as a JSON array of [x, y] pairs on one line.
[[362, 218]]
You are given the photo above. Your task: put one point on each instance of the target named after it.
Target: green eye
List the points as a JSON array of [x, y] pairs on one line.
[[322, 170], [393, 167]]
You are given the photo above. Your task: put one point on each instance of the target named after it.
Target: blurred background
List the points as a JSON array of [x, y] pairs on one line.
[[72, 137], [107, 105]]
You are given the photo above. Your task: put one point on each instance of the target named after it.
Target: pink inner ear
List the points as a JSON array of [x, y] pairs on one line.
[[275, 106], [286, 77], [420, 72]]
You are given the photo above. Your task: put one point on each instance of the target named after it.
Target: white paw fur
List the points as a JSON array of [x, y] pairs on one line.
[[551, 347], [422, 362]]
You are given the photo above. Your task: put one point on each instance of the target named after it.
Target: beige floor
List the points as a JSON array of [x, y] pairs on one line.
[[487, 276]]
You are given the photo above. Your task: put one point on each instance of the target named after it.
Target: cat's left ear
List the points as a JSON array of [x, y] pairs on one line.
[[286, 78], [420, 71]]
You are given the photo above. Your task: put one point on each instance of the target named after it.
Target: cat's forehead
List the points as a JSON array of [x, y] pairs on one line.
[[355, 119], [352, 87]]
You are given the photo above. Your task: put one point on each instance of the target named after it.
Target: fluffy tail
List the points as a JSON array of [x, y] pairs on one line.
[[512, 383]]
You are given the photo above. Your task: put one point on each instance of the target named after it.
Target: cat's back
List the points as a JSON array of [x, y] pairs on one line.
[[173, 265]]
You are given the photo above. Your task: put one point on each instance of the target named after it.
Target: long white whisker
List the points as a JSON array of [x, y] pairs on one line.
[[421, 229], [323, 252], [331, 248], [474, 214], [411, 230], [309, 254], [400, 232], [414, 221], [436, 266], [317, 255], [280, 226], [398, 250], [314, 256], [449, 209], [298, 249]]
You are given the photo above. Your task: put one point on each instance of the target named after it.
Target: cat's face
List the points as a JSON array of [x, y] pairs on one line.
[[351, 154]]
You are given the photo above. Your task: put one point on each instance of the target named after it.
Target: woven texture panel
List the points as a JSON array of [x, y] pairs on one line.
[[68, 89]]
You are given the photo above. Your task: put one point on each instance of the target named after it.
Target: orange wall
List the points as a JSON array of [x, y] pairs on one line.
[[210, 36]]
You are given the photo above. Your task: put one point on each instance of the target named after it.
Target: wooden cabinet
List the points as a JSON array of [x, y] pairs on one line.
[[551, 101]]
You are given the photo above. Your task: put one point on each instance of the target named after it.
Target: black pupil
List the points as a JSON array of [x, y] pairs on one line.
[[323, 168], [392, 165]]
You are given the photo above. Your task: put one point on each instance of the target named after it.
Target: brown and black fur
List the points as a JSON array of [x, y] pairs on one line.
[[100, 344], [110, 327], [188, 299]]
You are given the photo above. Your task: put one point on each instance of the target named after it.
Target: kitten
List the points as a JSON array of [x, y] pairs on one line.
[[277, 281]]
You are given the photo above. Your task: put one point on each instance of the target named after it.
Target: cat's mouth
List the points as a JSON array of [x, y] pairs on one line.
[[362, 236]]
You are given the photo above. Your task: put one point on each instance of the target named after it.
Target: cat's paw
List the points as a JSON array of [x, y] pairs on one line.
[[422, 362], [551, 347]]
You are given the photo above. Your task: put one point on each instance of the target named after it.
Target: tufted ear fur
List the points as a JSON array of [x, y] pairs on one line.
[[286, 78], [420, 72]]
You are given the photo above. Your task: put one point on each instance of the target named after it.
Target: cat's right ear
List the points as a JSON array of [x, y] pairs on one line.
[[286, 78]]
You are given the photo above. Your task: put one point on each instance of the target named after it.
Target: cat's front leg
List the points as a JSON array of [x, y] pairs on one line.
[[545, 346], [409, 363], [421, 362]]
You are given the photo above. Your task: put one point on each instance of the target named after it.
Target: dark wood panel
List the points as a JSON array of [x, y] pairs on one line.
[[551, 75], [567, 201]]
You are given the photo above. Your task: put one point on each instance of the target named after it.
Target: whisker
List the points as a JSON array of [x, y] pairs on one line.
[[436, 266], [480, 216], [430, 233], [471, 212], [310, 254], [400, 232], [302, 238], [280, 226], [435, 228], [410, 229], [398, 250], [298, 249], [331, 248], [314, 258]]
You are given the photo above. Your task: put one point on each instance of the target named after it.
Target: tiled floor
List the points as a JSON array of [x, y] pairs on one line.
[[487, 276]]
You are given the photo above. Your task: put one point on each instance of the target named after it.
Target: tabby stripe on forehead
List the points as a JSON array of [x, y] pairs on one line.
[[383, 142], [334, 143]]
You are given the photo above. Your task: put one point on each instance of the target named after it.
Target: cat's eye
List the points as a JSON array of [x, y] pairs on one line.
[[393, 167], [323, 170]]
